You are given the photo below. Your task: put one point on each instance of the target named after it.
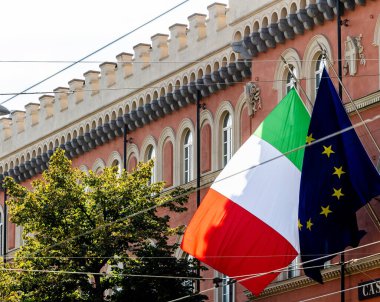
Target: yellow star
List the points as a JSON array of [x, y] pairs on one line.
[[309, 138], [338, 171], [327, 150], [325, 211], [309, 224], [338, 193], [300, 225]]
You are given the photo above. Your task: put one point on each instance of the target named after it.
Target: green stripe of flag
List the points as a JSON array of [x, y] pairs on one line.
[[285, 128]]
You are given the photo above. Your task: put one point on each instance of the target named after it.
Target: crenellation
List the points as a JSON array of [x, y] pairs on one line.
[[5, 127], [61, 99], [91, 83], [160, 47], [46, 109], [32, 114], [124, 64], [178, 38], [76, 87], [217, 18], [18, 121], [197, 29], [142, 55], [107, 74]]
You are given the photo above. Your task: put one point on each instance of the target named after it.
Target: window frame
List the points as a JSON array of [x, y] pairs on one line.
[[187, 164], [226, 139]]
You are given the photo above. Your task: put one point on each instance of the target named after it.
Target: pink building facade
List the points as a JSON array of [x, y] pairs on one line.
[[236, 46]]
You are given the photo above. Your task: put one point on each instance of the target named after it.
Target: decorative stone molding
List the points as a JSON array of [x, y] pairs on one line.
[[252, 97], [160, 47], [220, 113], [333, 272], [46, 102], [82, 107], [98, 165], [185, 125], [352, 53]]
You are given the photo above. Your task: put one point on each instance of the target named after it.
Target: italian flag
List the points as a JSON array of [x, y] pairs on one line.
[[247, 224]]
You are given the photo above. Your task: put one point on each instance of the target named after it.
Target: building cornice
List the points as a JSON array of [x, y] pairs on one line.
[[332, 273]]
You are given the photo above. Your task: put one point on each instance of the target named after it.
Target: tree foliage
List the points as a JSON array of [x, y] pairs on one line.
[[105, 227]]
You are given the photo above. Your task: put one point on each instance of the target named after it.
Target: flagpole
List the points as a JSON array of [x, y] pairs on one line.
[[339, 37], [198, 198], [5, 227], [125, 146]]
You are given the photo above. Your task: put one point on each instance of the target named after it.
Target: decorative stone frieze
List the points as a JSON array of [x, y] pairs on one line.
[[187, 50]]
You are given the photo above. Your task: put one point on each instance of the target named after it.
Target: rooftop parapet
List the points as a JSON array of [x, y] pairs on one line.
[[76, 87], [160, 47], [197, 30], [18, 121], [142, 55], [5, 127], [217, 17], [107, 74], [32, 114], [46, 107], [178, 38], [124, 64], [61, 101]]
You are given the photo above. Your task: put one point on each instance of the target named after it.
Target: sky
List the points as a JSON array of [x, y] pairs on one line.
[[46, 30]]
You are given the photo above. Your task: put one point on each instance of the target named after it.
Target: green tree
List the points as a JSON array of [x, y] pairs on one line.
[[106, 227]]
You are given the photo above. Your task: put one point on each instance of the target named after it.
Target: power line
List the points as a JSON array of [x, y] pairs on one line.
[[98, 50], [164, 61], [247, 277], [207, 184], [159, 87], [101, 274]]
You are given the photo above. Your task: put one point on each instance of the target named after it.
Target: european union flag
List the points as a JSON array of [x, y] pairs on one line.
[[337, 179]]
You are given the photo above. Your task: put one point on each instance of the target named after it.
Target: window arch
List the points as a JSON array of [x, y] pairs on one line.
[[187, 151], [98, 166], [291, 78], [224, 121], [319, 65], [226, 139], [114, 160], [151, 155], [313, 60], [284, 81]]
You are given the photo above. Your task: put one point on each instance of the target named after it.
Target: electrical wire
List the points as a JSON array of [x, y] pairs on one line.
[[97, 50], [166, 62], [101, 274], [159, 87], [205, 185], [247, 277]]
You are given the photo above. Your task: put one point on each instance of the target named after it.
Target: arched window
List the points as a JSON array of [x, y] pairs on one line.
[[227, 139], [151, 155], [187, 157], [320, 64], [290, 80]]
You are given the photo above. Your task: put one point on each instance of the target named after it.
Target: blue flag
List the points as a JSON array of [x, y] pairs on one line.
[[337, 179]]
